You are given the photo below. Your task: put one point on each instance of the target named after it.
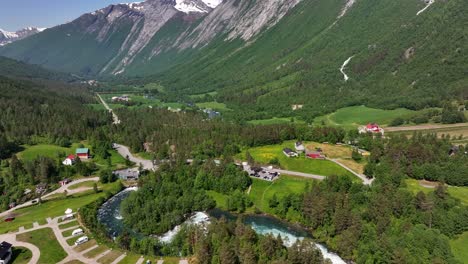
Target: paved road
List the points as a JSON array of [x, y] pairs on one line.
[[363, 177], [424, 127], [301, 174], [47, 196], [124, 151], [114, 116]]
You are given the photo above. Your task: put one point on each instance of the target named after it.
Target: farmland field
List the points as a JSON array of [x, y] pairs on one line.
[[354, 116], [458, 132], [266, 154]]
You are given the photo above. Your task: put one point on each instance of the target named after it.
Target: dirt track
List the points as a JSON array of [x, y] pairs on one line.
[[424, 127]]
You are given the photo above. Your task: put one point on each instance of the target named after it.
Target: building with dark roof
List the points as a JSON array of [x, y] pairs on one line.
[[5, 252]]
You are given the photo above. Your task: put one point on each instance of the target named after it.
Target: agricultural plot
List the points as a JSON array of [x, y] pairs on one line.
[[354, 116]]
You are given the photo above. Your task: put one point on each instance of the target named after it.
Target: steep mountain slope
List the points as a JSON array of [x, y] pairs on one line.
[[20, 70], [9, 37], [323, 54]]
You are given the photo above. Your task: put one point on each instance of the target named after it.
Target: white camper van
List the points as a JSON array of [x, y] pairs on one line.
[[81, 240], [77, 232], [67, 217]]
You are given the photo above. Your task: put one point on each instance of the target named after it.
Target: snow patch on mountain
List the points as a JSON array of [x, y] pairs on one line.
[[343, 67], [345, 9], [212, 3], [7, 37], [189, 6]]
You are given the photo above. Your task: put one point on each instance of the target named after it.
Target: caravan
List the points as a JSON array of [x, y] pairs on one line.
[[77, 232], [81, 240]]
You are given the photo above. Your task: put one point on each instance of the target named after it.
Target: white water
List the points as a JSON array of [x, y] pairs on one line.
[[425, 8], [345, 76], [199, 218], [289, 239]]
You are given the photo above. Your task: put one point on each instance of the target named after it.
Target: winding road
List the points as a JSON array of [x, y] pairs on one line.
[[125, 152]]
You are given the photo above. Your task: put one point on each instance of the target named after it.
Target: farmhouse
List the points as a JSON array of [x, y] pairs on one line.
[[5, 252], [127, 174], [83, 153], [371, 128], [315, 155], [299, 147], [70, 160], [290, 153]]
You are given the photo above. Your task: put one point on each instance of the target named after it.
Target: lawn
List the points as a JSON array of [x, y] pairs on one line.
[[45, 240], [265, 154], [457, 192], [351, 117], [213, 105], [262, 191], [93, 253], [69, 224], [20, 255], [84, 246], [460, 247], [86, 184], [131, 258], [342, 153], [221, 199], [110, 257], [53, 208], [51, 151]]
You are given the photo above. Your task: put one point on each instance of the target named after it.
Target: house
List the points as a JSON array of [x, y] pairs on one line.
[[127, 174], [64, 182], [371, 128], [83, 153], [70, 160], [211, 113], [297, 107], [290, 153], [299, 147], [5, 252], [315, 155]]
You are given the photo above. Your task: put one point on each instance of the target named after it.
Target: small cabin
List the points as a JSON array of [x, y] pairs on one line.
[[70, 160], [83, 153]]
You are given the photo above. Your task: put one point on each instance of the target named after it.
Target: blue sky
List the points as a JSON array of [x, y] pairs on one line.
[[17, 14]]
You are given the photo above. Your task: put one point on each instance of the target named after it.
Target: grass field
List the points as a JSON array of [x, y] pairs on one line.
[[110, 257], [458, 132], [213, 105], [20, 255], [351, 117], [53, 208], [45, 240], [51, 151], [265, 154], [83, 247], [457, 192], [460, 247], [93, 253], [130, 259], [341, 153], [69, 224], [221, 199], [262, 191]]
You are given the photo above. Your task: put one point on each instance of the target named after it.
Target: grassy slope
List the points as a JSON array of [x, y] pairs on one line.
[[45, 240], [457, 192], [21, 255], [354, 116], [321, 167], [460, 247], [26, 216], [263, 191]]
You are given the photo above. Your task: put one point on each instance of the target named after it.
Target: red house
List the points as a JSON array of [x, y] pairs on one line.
[[83, 153], [315, 155]]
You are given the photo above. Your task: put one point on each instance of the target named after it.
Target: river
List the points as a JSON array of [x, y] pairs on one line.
[[109, 215]]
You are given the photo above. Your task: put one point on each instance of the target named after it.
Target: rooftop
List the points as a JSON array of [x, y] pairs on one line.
[[82, 150], [4, 249]]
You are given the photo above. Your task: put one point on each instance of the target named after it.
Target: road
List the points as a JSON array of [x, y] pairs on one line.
[[363, 177], [424, 127], [301, 174], [47, 196], [124, 151], [114, 116]]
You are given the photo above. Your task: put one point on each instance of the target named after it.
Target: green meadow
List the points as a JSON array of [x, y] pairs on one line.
[[45, 240], [275, 121], [351, 117]]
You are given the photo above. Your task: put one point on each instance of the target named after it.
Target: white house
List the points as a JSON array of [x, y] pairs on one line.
[[299, 147], [69, 161], [290, 153]]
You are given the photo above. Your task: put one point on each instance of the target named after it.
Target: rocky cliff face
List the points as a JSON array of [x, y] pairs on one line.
[[9, 37]]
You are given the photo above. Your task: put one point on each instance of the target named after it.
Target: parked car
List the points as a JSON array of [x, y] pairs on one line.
[[34, 201], [77, 232], [81, 240], [9, 219]]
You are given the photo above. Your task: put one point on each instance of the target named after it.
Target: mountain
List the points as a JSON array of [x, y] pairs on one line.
[[323, 54], [19, 70], [9, 37]]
